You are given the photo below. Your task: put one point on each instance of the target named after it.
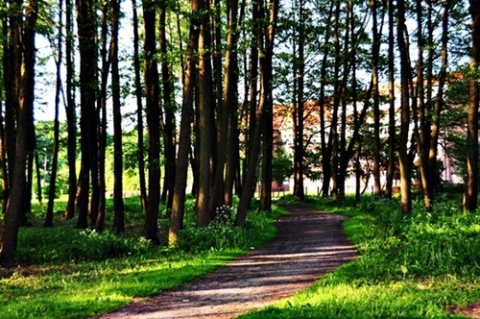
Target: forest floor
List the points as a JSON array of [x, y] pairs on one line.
[[309, 244]]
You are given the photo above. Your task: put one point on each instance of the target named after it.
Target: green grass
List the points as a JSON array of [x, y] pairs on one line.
[[79, 274], [408, 266]]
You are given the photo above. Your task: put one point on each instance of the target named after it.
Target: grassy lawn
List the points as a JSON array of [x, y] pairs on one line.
[[74, 273], [408, 267]]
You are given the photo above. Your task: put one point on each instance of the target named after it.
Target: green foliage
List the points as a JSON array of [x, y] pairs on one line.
[[221, 233], [282, 167], [58, 245]]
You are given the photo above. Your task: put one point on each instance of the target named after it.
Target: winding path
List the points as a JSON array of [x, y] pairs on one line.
[[309, 244]]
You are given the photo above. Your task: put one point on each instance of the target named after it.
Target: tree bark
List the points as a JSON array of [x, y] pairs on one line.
[[205, 116], [391, 99], [181, 168], [56, 124], [298, 112], [405, 164], [70, 113], [138, 96], [152, 90], [118, 205], [265, 54], [169, 111], [470, 200], [16, 202]]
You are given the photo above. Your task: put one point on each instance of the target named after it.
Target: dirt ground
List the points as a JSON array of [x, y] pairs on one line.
[[309, 244]]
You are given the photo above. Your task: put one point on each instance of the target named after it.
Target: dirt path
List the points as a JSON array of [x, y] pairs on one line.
[[309, 244]]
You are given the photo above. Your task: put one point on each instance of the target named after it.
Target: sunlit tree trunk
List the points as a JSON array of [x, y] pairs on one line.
[[405, 164], [298, 112], [56, 124], [333, 138], [70, 112]]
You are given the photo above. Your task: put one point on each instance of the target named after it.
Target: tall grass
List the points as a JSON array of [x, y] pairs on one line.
[[410, 266]]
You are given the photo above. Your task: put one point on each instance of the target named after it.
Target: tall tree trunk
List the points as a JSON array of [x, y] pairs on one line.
[[169, 105], [376, 98], [118, 205], [391, 99], [405, 164], [86, 23], [470, 200], [266, 54], [298, 112], [56, 124], [231, 100], [420, 111], [70, 113], [97, 211], [326, 147], [178, 196], [439, 100], [226, 108], [205, 116], [16, 201], [139, 95], [152, 89], [333, 138]]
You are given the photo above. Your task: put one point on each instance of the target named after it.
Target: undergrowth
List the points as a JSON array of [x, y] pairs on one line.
[[71, 273], [409, 266]]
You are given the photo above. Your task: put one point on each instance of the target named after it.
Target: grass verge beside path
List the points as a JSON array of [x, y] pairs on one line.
[[409, 266], [85, 289]]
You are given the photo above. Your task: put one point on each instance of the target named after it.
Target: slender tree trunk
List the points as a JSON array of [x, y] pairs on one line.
[[266, 55], [97, 210], [153, 119], [439, 101], [326, 147], [298, 112], [405, 164], [70, 113], [376, 98], [333, 138], [56, 125], [226, 108], [470, 200], [391, 99], [3, 161], [138, 95], [178, 197], [16, 201], [169, 105], [118, 205]]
